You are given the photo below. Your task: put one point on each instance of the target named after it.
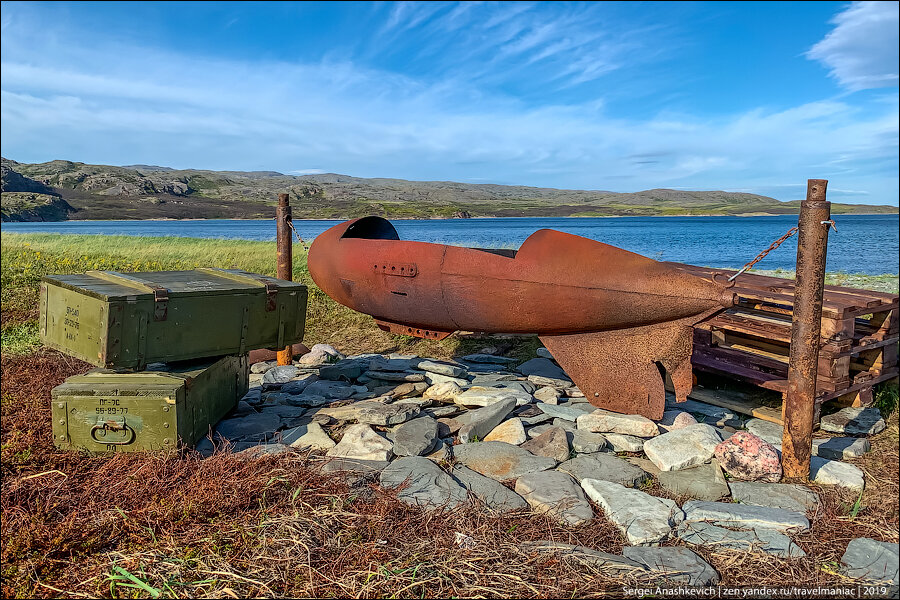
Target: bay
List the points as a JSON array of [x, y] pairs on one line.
[[862, 243]]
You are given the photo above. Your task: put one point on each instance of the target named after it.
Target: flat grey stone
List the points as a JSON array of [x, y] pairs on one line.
[[854, 421], [436, 378], [281, 374], [388, 414], [624, 443], [720, 539], [840, 448], [475, 424], [305, 400], [569, 412], [786, 496], [253, 396], [332, 389], [613, 564], [205, 447], [485, 396], [872, 561], [542, 367], [262, 450], [353, 465], [523, 386], [547, 395], [604, 421], [604, 467], [766, 430], [437, 412], [683, 448], [489, 378], [401, 376], [493, 494], [347, 412], [442, 392], [416, 437], [551, 381], [832, 472], [745, 516], [346, 370], [423, 483], [308, 435], [363, 443], [706, 413], [501, 461], [442, 368], [440, 453], [490, 359], [543, 353], [552, 443], [703, 482], [262, 367], [675, 419], [557, 494], [676, 564], [255, 427], [536, 420], [382, 363], [242, 409], [644, 519]]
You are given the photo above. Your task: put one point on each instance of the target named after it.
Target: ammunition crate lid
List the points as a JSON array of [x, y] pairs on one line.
[[157, 377], [111, 285]]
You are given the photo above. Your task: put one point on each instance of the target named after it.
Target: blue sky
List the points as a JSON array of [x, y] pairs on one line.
[[752, 97]]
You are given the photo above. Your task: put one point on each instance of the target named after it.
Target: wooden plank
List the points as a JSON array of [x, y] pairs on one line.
[[744, 406]]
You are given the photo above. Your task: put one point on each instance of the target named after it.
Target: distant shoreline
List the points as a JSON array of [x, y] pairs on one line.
[[742, 215]]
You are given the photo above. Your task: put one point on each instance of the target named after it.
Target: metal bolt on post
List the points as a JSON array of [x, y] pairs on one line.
[[800, 400]]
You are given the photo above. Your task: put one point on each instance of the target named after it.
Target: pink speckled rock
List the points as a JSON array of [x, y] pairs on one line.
[[748, 457]]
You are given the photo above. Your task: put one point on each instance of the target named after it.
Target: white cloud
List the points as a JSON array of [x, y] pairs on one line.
[[861, 52]]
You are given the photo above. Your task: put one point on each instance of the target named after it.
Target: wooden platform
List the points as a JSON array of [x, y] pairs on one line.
[[751, 342]]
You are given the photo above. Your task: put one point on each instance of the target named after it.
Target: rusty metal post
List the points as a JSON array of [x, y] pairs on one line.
[[800, 400], [284, 256]]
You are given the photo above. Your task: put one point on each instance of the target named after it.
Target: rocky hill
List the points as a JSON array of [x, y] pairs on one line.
[[147, 191]]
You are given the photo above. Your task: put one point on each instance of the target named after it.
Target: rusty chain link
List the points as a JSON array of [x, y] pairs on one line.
[[765, 252]]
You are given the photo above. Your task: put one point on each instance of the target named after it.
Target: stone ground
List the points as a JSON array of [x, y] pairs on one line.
[[509, 437]]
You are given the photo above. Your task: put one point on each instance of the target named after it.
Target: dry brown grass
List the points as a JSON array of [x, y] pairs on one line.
[[76, 525]]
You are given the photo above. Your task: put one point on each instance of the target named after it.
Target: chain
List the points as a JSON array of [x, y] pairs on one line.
[[765, 252], [299, 239]]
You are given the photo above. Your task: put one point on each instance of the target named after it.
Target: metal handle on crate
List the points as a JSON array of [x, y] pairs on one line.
[[113, 426]]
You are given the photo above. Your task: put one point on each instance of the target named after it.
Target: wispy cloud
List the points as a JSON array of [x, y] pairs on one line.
[[98, 101], [861, 52]]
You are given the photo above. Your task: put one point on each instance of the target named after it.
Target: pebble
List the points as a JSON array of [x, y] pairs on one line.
[[309, 435], [262, 367], [703, 482], [543, 353], [552, 443], [409, 390], [745, 516], [441, 453], [872, 561], [501, 461], [832, 472], [363, 443], [423, 483], [785, 496], [644, 519], [720, 539], [683, 448], [557, 494], [604, 421], [678, 565], [713, 415], [605, 467], [485, 396], [475, 424], [854, 421], [748, 457], [510, 431], [493, 494], [416, 437]]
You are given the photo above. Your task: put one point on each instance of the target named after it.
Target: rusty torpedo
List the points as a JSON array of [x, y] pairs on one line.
[[613, 319]]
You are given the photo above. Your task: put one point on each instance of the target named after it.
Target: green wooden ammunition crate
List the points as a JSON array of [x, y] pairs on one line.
[[129, 320], [109, 411]]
